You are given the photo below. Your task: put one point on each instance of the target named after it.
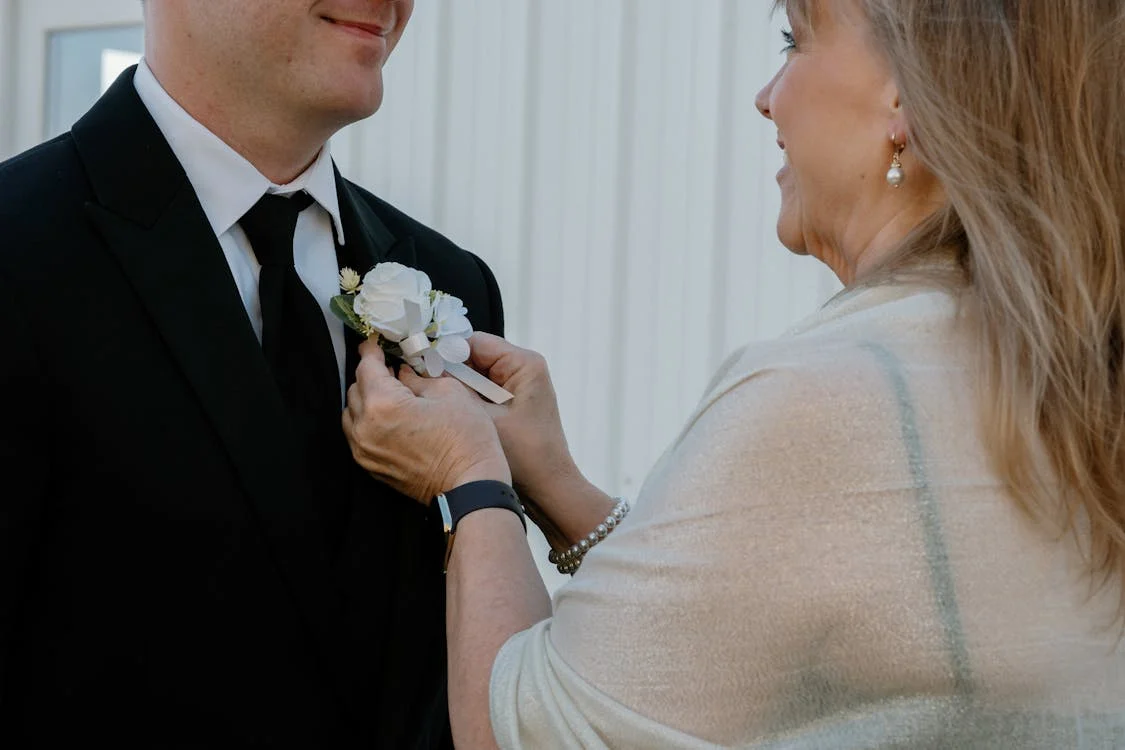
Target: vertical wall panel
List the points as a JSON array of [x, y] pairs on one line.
[[7, 76], [572, 316], [644, 248], [596, 340]]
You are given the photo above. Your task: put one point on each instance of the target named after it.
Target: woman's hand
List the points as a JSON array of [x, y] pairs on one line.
[[421, 436], [529, 426], [558, 498]]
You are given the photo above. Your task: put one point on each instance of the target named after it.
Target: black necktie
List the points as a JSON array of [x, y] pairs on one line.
[[296, 340]]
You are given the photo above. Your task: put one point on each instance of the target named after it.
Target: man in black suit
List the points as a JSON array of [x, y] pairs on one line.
[[180, 564]]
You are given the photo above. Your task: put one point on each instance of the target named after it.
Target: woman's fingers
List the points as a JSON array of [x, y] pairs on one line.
[[487, 349], [504, 363], [419, 446], [441, 388], [372, 369], [374, 383], [370, 348], [431, 388]]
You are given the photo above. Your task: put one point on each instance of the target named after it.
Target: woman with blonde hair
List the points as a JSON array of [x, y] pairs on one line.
[[901, 524]]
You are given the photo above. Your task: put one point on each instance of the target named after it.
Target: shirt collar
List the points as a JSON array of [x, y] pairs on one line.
[[226, 183]]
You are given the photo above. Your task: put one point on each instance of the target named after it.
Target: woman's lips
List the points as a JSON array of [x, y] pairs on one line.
[[785, 161]]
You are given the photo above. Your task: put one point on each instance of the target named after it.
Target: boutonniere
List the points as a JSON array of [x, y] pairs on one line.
[[424, 327]]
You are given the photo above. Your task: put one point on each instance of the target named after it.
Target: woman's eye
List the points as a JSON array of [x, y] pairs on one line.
[[790, 42]]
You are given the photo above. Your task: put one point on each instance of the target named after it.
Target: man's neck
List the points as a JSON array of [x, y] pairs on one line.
[[280, 148]]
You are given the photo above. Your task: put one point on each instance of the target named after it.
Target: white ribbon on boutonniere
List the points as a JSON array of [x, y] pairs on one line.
[[426, 328]]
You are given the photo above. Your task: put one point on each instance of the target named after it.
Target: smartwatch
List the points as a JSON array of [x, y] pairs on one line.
[[455, 504]]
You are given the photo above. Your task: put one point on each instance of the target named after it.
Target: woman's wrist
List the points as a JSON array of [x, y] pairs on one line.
[[569, 560], [495, 470], [567, 508]]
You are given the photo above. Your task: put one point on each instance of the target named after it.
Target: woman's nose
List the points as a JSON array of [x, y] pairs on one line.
[[762, 100]]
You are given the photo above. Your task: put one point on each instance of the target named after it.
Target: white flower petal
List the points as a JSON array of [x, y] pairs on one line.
[[396, 280], [449, 315], [458, 325], [424, 284], [435, 365], [453, 348], [393, 330], [419, 313], [380, 308]]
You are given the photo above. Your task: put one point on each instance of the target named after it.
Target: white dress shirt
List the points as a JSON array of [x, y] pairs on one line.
[[228, 186]]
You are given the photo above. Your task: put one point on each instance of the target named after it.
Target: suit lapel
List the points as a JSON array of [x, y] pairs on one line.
[[152, 222], [367, 241]]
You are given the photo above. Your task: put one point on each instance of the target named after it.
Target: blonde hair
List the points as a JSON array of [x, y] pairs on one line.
[[1018, 108]]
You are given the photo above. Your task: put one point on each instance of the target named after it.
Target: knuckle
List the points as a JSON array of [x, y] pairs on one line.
[[447, 386]]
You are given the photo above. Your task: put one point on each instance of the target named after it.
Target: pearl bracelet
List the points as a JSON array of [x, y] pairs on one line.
[[567, 562]]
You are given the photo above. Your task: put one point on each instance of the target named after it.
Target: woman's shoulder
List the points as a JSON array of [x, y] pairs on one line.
[[847, 361], [852, 336]]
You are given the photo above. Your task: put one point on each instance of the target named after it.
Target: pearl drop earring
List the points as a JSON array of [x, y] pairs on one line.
[[896, 175]]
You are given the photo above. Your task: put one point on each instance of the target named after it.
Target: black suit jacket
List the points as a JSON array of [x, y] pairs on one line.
[[164, 575]]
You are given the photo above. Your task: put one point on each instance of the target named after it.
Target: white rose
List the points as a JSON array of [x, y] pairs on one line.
[[381, 303]]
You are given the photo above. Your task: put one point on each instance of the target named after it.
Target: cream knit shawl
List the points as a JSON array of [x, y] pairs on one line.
[[823, 558]]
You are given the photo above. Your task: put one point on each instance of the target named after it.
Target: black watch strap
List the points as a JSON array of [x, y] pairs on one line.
[[474, 496], [459, 502]]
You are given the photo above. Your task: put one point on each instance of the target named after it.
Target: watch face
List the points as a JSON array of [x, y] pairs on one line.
[[445, 517], [444, 513]]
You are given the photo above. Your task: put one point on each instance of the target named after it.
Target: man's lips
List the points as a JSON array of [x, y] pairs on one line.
[[370, 29]]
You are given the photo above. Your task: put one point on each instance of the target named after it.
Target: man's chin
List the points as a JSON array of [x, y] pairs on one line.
[[350, 98], [347, 110]]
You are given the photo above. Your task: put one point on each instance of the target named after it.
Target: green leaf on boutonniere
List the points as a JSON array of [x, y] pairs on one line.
[[341, 306]]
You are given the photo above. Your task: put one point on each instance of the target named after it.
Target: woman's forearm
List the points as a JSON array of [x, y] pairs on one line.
[[573, 506], [493, 591]]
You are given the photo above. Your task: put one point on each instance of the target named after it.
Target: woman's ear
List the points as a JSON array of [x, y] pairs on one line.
[[897, 127]]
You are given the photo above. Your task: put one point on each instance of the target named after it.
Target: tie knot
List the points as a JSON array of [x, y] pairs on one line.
[[269, 225]]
